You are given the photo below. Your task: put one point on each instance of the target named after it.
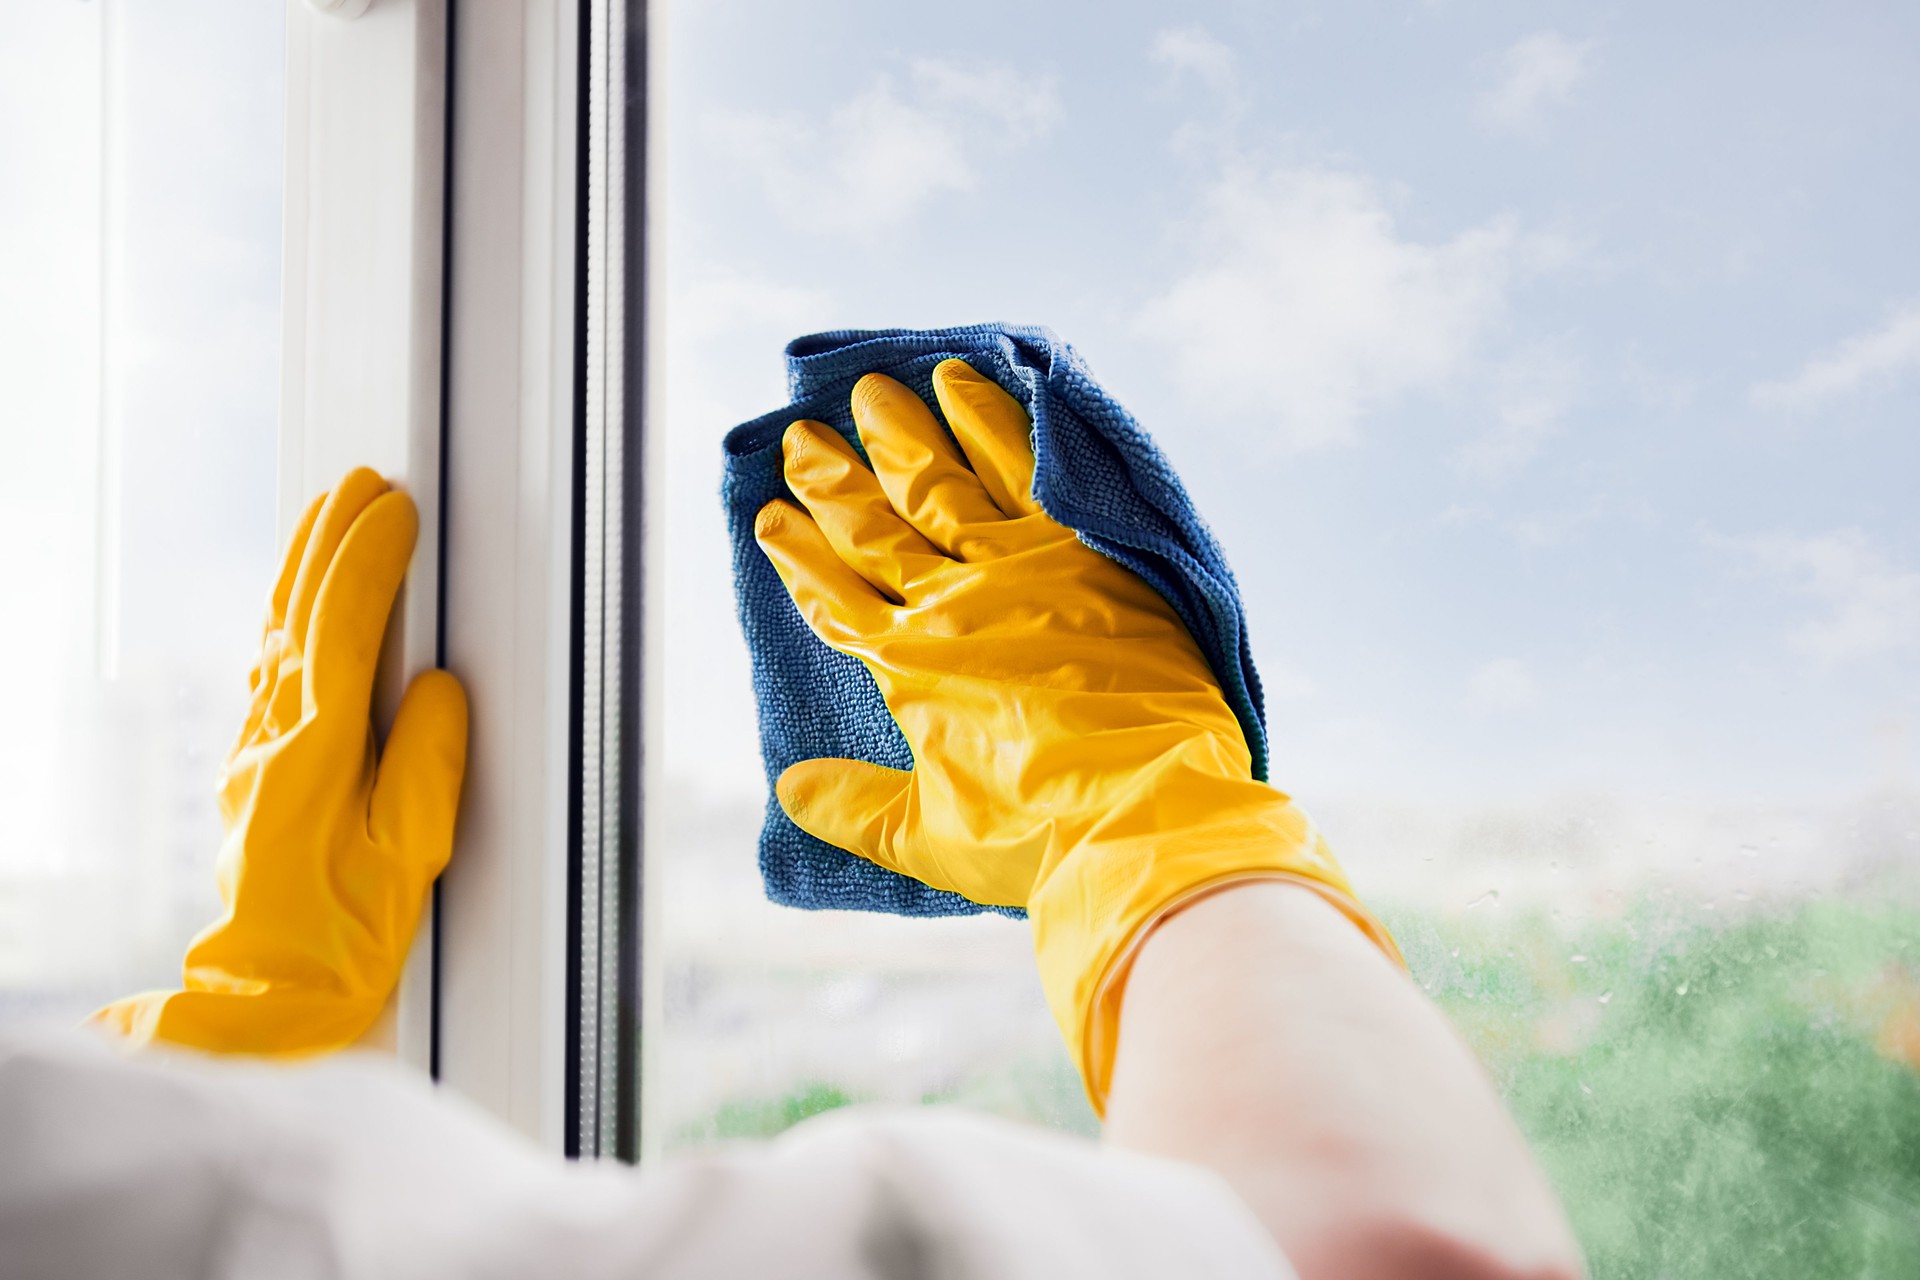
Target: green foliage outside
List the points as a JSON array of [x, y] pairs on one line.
[[762, 1118], [1716, 1099], [1737, 1107]]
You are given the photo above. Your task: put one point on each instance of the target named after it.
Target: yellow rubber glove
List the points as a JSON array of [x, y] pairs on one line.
[[330, 849], [1073, 753]]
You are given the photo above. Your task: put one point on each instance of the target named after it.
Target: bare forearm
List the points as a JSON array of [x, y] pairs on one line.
[[1263, 1036]]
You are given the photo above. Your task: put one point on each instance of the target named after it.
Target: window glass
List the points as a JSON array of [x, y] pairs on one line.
[[1549, 377], [139, 345]]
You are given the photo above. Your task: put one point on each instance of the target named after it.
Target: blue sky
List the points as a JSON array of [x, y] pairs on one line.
[[1551, 373]]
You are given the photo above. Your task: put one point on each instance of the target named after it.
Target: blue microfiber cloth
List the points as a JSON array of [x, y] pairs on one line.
[[1096, 471]]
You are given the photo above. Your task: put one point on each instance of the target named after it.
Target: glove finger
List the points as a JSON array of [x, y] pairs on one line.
[[416, 791], [923, 472], [290, 564], [851, 804], [350, 616], [264, 678], [289, 693], [995, 432], [846, 501], [342, 507], [266, 689], [839, 605]]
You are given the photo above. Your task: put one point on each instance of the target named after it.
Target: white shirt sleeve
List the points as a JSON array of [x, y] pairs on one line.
[[177, 1165]]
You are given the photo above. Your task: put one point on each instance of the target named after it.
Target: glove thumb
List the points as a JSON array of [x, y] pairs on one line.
[[851, 804], [416, 791]]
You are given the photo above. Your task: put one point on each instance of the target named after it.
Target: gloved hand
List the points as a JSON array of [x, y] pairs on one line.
[[330, 845], [1073, 753]]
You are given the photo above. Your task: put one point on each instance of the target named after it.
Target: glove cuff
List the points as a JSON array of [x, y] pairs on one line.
[[1092, 913], [274, 1022]]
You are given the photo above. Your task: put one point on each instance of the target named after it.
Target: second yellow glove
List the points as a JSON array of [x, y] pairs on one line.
[[330, 846]]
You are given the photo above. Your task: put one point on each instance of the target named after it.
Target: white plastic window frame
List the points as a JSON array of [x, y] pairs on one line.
[[360, 324], [456, 300]]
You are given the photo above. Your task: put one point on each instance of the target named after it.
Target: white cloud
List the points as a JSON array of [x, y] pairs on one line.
[[1304, 309], [1505, 684], [1536, 74], [1872, 604], [1195, 51], [1028, 109], [1197, 55], [877, 159], [723, 299], [1532, 391], [1883, 353], [724, 330]]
